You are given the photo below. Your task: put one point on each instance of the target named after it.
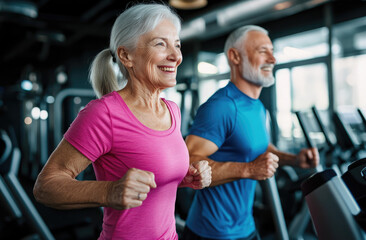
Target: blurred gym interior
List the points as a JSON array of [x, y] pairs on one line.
[[318, 100]]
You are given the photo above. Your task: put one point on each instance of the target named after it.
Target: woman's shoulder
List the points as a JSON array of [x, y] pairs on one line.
[[106, 100], [171, 104], [99, 105], [110, 97]]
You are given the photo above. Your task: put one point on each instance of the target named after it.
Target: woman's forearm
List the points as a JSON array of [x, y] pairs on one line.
[[63, 192]]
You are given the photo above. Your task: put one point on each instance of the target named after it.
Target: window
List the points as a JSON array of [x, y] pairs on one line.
[[301, 81], [214, 73], [298, 89], [208, 87], [310, 87], [350, 82], [301, 46], [212, 64], [349, 65]]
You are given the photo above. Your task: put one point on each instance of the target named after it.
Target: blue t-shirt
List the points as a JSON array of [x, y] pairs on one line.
[[236, 123]]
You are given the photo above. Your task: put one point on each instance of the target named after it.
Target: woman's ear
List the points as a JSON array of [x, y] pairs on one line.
[[234, 56], [124, 56]]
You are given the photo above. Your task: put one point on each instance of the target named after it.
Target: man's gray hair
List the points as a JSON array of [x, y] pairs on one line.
[[239, 35]]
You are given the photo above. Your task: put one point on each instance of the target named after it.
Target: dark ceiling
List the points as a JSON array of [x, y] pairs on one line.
[[61, 28], [46, 33]]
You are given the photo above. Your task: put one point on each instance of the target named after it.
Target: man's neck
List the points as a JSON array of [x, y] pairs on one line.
[[248, 88]]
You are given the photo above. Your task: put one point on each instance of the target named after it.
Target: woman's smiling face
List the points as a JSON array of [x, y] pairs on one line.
[[157, 56]]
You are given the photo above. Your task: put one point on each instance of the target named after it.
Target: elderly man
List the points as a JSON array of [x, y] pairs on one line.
[[230, 132]]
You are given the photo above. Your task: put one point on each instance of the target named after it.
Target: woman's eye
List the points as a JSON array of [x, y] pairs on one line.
[[160, 44], [179, 46]]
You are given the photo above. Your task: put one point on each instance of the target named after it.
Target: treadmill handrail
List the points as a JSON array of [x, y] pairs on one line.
[[322, 127], [8, 146]]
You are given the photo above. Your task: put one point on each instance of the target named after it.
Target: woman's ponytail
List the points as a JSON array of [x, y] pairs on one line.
[[102, 76]]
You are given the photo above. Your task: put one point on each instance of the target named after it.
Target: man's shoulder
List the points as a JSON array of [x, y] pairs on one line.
[[220, 99], [218, 105], [222, 94]]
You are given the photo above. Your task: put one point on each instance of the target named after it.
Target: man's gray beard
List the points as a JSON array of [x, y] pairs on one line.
[[255, 76]]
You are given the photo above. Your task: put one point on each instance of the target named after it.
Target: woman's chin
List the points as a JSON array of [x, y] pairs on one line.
[[170, 83]]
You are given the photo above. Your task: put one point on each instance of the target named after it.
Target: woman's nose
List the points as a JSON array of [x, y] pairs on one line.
[[175, 54]]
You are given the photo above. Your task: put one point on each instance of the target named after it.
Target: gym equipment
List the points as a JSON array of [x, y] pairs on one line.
[[334, 154], [6, 196], [298, 209], [362, 115], [316, 136], [14, 194], [187, 88], [269, 187], [327, 135], [334, 211], [58, 113], [355, 179], [337, 154], [61, 124], [267, 201], [16, 190], [350, 132], [271, 193]]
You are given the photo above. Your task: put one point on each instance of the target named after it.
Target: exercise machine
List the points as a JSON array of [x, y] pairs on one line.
[[334, 202], [268, 203], [363, 117], [14, 195], [350, 132], [16, 186]]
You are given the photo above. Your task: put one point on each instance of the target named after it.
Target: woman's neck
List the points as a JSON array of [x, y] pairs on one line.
[[141, 96]]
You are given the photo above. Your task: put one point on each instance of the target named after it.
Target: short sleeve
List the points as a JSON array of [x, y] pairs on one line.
[[214, 120], [91, 131]]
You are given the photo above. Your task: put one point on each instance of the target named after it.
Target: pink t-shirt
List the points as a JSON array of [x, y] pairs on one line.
[[108, 134]]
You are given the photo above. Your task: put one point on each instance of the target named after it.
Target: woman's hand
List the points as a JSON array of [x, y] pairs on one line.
[[198, 175], [131, 190]]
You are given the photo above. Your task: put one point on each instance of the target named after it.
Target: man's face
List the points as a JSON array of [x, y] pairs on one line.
[[258, 62]]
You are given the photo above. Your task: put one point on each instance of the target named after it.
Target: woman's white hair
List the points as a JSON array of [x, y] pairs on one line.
[[238, 37], [127, 29]]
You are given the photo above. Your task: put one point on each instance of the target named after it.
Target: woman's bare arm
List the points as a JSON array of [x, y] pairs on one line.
[[57, 187]]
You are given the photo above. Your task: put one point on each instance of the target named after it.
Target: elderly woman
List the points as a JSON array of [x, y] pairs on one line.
[[131, 136]]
